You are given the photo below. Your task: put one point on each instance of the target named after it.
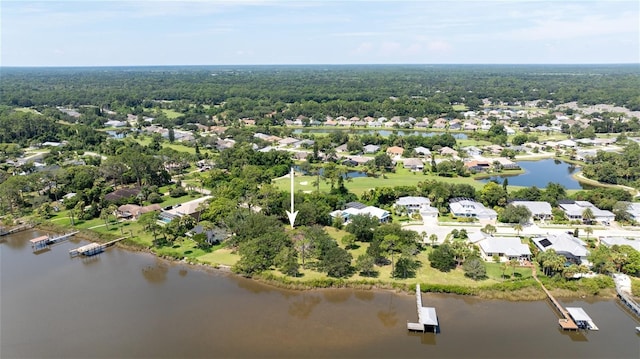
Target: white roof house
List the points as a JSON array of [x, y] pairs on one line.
[[379, 213], [371, 148], [621, 241], [564, 244], [422, 151], [634, 211], [470, 208], [506, 248], [538, 209], [413, 204], [574, 210]]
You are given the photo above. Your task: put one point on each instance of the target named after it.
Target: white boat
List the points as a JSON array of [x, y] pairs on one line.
[[637, 329]]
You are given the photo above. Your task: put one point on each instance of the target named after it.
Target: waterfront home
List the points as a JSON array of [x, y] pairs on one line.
[[213, 236], [621, 241], [133, 211], [412, 204], [357, 208], [574, 211], [468, 208], [192, 208], [539, 210], [505, 248], [572, 248]]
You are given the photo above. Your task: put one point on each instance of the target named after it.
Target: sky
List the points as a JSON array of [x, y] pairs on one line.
[[209, 32]]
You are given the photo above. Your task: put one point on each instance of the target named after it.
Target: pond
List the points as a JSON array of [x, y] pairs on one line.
[[540, 173], [383, 133]]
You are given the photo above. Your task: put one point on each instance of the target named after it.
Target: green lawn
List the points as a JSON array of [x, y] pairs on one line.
[[402, 177], [171, 114]]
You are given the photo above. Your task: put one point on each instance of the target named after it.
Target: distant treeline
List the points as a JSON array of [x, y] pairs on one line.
[[385, 90]]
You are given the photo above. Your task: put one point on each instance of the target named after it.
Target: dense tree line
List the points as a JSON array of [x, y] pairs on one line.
[[313, 91]]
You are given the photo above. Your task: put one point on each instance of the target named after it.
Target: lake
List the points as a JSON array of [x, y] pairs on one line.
[[540, 173], [122, 304], [383, 133]]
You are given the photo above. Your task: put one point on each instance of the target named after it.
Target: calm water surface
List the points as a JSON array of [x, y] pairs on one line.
[[130, 305], [540, 173]]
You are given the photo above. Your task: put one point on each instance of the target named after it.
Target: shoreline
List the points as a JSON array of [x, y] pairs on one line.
[[516, 291]]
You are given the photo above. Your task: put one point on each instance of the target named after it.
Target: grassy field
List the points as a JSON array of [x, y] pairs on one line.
[[171, 114], [358, 185]]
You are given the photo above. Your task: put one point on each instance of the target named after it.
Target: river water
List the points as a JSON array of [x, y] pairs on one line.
[[122, 304]]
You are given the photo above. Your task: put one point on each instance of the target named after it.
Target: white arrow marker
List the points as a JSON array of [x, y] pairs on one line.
[[292, 215]]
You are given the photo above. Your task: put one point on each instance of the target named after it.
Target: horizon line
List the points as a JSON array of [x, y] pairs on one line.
[[333, 64]]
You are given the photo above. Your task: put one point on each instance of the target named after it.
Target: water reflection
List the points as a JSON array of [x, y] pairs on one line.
[[156, 273], [365, 296], [183, 272], [389, 316], [336, 296], [425, 338], [575, 335], [302, 307], [90, 259]]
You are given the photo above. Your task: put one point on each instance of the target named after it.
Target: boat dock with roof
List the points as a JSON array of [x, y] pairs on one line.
[[581, 318], [92, 249], [42, 242], [427, 317]]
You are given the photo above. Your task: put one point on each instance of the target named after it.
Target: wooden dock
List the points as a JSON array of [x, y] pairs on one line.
[[427, 317], [19, 228], [566, 322], [623, 289], [92, 249], [44, 242]]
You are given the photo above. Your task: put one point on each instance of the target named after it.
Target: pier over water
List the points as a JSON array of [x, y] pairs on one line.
[[427, 317]]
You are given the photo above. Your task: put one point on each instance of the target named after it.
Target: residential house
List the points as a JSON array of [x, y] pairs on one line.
[[634, 211], [412, 204], [288, 141], [422, 151], [371, 148], [192, 208], [133, 211], [448, 151], [357, 208], [414, 164], [539, 210], [395, 151], [342, 148], [572, 248], [115, 123], [213, 236], [621, 241], [505, 248], [574, 210], [467, 208]]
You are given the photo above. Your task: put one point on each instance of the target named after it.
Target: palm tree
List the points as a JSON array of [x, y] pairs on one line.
[[587, 216], [489, 229], [104, 215], [513, 263], [588, 231], [518, 228], [434, 239]]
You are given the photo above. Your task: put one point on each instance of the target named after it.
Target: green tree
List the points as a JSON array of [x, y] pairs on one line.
[[488, 229], [475, 268], [336, 262], [515, 214], [362, 227], [442, 258], [365, 265]]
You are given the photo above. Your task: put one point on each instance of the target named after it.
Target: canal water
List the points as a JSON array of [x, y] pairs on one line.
[[540, 173], [122, 304]]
